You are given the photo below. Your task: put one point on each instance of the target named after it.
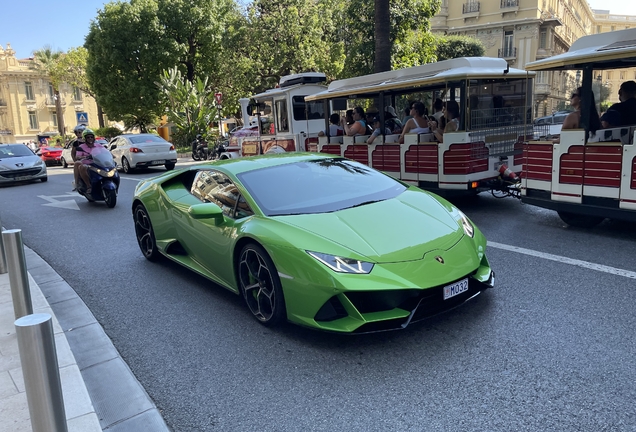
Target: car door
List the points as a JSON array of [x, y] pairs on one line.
[[209, 242], [115, 149]]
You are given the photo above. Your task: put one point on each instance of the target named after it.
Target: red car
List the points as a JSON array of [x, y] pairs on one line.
[[50, 155]]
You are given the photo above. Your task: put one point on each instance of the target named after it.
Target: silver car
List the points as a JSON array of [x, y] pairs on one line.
[[132, 151], [18, 163]]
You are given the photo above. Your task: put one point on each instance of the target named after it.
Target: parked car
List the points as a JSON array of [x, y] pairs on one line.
[[66, 159], [19, 163], [132, 151], [296, 235], [552, 124], [50, 155]]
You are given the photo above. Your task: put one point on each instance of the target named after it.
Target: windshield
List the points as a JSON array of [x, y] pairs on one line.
[[318, 186], [146, 138], [102, 157], [14, 150]]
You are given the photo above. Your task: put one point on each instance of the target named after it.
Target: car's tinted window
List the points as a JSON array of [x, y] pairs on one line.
[[215, 187], [318, 186], [559, 119], [15, 150], [146, 138]]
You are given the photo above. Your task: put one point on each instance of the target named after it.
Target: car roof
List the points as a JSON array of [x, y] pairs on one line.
[[251, 163]]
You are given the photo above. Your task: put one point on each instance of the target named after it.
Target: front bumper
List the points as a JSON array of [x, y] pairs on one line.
[[25, 174]]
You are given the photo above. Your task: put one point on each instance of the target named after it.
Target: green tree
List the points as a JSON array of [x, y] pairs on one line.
[[410, 37], [46, 60], [126, 55], [190, 105], [448, 47]]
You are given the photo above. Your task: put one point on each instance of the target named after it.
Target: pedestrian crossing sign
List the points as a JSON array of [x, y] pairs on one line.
[[82, 118]]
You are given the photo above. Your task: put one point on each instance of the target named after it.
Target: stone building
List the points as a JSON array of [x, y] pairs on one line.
[[522, 31], [27, 102]]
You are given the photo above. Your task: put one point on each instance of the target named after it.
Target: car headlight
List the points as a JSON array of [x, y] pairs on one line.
[[342, 265], [39, 163], [469, 229]]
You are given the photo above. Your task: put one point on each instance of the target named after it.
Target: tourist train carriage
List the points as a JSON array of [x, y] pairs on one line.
[[586, 178]]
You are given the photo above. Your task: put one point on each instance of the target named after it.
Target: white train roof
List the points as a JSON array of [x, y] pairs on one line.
[[610, 50], [432, 73]]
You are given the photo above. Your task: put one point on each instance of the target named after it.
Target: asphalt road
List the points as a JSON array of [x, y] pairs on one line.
[[550, 348]]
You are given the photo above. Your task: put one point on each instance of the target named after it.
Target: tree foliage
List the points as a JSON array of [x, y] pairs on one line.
[[71, 69], [448, 47]]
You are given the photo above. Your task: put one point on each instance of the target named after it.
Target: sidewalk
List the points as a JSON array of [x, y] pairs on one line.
[[99, 389]]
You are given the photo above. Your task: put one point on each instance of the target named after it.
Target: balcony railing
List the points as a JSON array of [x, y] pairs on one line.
[[50, 100], [470, 7], [509, 4], [507, 53], [542, 88]]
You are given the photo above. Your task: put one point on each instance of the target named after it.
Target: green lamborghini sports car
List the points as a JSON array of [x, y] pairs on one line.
[[320, 241]]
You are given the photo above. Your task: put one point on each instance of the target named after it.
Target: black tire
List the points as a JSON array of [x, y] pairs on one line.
[[260, 285], [170, 166], [125, 165], [63, 162], [195, 156], [44, 179], [145, 234], [579, 220], [110, 196]]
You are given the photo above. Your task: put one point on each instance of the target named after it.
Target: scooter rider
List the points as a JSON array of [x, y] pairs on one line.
[[76, 142], [83, 156], [200, 147]]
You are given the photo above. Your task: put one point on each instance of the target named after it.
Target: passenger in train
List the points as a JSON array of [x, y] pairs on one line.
[[573, 120], [451, 117], [438, 108], [407, 113], [334, 126], [610, 119], [418, 124], [359, 125], [391, 121], [627, 105], [377, 131]]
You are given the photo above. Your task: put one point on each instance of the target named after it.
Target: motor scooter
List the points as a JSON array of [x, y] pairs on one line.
[[104, 178], [199, 149]]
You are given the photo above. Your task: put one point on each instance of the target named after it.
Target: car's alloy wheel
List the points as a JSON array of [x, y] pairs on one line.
[[260, 285], [579, 220], [125, 165], [145, 234], [64, 164]]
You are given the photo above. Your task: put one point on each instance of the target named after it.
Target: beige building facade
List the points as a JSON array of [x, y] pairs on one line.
[[522, 31], [27, 102]]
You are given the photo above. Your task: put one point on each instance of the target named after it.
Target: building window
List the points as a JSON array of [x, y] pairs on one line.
[[33, 120], [77, 94], [543, 36], [509, 43], [613, 28], [598, 29], [54, 119], [622, 74], [28, 89], [608, 75], [51, 91]]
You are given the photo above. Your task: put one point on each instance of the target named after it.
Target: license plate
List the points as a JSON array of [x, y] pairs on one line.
[[455, 289], [158, 162], [22, 178]]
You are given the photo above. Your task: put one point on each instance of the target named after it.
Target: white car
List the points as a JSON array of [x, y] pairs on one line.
[[132, 151], [67, 159]]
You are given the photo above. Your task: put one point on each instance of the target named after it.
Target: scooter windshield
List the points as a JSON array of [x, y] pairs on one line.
[[102, 157]]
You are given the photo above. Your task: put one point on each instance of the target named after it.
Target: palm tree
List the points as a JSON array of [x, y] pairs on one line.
[[382, 36], [45, 61]]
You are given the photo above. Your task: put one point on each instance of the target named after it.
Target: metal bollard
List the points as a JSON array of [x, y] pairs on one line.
[[3, 260], [41, 373], [18, 276]]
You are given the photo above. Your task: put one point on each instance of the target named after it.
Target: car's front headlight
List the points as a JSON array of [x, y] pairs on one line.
[[342, 265], [469, 229], [39, 163]]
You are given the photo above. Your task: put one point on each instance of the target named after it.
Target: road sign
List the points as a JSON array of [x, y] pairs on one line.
[[218, 97], [82, 118]]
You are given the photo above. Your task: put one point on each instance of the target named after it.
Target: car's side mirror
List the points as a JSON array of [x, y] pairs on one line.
[[206, 211]]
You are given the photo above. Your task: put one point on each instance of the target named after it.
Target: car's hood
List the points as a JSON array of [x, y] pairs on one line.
[[396, 230], [13, 163]]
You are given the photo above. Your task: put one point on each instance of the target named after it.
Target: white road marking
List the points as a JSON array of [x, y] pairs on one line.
[[565, 260], [68, 204]]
